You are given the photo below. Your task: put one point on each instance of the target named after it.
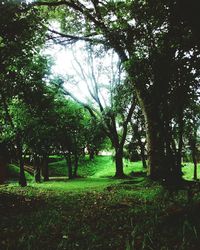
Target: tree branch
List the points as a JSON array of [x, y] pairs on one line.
[[77, 38], [125, 125], [86, 106]]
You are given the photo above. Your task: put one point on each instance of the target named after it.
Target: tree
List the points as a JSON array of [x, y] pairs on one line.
[[108, 98], [191, 132], [20, 40], [137, 133], [14, 125], [69, 131], [149, 37], [94, 136]]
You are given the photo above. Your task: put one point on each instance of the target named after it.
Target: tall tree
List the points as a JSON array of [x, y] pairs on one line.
[[109, 97], [148, 37], [20, 39]]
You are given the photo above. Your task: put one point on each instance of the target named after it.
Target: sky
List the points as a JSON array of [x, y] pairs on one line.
[[71, 64]]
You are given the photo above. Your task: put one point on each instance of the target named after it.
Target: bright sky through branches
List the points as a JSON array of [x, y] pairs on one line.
[[80, 70]]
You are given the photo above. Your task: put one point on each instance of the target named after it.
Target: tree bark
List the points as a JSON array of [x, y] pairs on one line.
[[194, 159], [195, 166], [3, 163], [69, 165], [45, 168], [91, 154], [37, 169], [119, 163], [3, 167], [161, 158], [180, 141], [142, 153], [75, 165], [22, 178], [155, 145]]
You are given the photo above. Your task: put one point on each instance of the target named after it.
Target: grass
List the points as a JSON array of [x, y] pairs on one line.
[[131, 214], [188, 170], [101, 166], [98, 212], [79, 185]]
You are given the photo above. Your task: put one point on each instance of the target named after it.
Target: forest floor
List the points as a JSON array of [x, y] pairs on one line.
[[98, 212]]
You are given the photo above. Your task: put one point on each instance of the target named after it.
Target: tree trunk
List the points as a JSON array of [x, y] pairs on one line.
[[142, 153], [195, 168], [161, 158], [37, 169], [45, 168], [119, 163], [3, 167], [141, 145], [155, 147], [22, 178], [91, 154], [69, 165], [3, 163], [180, 141], [194, 159], [75, 166]]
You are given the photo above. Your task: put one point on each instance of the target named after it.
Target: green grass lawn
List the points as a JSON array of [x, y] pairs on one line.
[[101, 166], [188, 171], [98, 212]]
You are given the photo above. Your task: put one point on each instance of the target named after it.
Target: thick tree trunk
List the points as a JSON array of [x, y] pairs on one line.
[[22, 178], [45, 169], [155, 146], [140, 144], [161, 158], [142, 153], [195, 168], [37, 169], [194, 159], [180, 142], [119, 163], [3, 163], [3, 167], [75, 174], [69, 165]]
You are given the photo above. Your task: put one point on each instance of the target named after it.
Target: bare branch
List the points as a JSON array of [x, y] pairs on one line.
[[77, 38], [91, 110]]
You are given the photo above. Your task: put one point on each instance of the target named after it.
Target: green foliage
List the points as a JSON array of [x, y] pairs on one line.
[[158, 46]]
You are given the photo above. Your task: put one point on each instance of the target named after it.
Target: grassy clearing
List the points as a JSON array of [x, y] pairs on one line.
[[132, 214], [101, 166], [78, 185], [188, 171], [98, 212]]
